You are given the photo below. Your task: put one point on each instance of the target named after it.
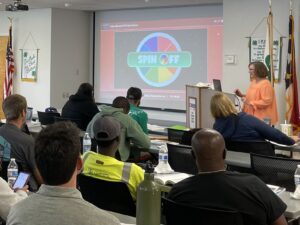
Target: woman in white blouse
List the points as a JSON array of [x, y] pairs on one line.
[[9, 197]]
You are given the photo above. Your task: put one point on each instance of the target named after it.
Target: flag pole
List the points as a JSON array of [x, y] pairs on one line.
[[270, 31]]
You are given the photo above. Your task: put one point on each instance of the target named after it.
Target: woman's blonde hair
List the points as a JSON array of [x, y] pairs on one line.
[[221, 106]]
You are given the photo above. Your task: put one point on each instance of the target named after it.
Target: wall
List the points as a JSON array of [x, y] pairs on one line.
[[38, 23], [240, 19], [70, 53]]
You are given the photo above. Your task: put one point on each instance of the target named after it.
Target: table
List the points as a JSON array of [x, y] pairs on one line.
[[239, 159], [293, 206]]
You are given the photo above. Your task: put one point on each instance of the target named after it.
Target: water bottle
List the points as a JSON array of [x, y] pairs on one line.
[[86, 143], [297, 181], [163, 164], [12, 172], [148, 199]]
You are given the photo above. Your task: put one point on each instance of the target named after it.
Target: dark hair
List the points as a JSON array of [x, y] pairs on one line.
[[134, 93], [260, 70], [13, 106], [57, 148], [121, 102], [86, 89]]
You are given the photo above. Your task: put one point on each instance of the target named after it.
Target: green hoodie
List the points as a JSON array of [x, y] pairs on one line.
[[131, 132]]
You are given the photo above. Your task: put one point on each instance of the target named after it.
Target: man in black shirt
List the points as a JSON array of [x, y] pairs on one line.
[[214, 187]]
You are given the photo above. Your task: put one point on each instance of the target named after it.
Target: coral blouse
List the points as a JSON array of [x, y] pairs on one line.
[[262, 99]]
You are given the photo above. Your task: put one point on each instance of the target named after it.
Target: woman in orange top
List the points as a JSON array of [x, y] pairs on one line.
[[260, 100]]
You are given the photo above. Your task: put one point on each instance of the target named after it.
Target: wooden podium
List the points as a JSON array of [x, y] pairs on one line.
[[198, 113]]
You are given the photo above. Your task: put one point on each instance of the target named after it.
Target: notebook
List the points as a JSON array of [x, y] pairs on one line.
[[217, 85]]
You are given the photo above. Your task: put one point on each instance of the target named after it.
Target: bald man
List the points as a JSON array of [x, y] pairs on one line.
[[215, 187]]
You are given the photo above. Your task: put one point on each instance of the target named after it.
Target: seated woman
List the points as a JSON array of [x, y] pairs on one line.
[[81, 107], [9, 197], [240, 126]]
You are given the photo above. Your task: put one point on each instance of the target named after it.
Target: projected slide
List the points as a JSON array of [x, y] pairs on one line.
[[160, 57]]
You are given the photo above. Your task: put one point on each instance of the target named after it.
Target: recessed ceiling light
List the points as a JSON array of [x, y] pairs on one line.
[[67, 4]]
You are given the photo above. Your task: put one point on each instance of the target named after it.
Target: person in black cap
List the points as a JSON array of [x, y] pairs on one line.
[[103, 164], [134, 96]]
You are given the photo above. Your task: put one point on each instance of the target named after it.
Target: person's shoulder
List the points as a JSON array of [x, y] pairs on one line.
[[98, 215], [136, 168], [245, 179]]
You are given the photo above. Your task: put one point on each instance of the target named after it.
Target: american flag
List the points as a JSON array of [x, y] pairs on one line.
[[10, 67], [292, 109]]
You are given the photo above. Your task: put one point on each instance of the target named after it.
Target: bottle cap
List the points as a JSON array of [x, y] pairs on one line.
[[149, 167]]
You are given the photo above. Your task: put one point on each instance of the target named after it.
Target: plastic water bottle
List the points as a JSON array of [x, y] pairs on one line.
[[148, 199], [86, 143], [163, 164], [297, 181], [12, 172]]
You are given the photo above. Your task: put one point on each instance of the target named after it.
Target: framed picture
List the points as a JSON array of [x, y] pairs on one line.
[[29, 65]]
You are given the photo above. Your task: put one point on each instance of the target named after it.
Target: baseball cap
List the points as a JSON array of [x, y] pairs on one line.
[[106, 128]]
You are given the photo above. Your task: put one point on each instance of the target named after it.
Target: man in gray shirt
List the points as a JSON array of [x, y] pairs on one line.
[[57, 154], [15, 143]]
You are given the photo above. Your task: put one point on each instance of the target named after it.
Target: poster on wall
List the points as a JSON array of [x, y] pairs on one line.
[[29, 65], [257, 49]]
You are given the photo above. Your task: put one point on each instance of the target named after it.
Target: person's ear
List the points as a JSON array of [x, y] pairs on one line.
[[79, 165], [193, 155], [224, 153]]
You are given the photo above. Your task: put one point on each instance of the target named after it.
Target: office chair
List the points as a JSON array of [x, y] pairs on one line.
[[46, 118], [181, 159], [258, 147], [77, 122], [178, 214], [175, 135], [108, 195], [275, 170]]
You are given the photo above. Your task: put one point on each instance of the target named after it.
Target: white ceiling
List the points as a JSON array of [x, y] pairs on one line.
[[93, 5]]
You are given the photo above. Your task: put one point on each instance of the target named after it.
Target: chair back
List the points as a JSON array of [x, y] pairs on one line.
[[275, 170], [112, 196], [175, 135], [77, 122], [258, 147], [180, 158], [178, 214], [46, 118]]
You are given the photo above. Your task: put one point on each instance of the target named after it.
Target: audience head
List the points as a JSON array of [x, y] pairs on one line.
[[57, 153], [14, 107], [87, 90], [222, 106], [260, 70], [134, 95], [121, 102], [107, 132], [208, 147]]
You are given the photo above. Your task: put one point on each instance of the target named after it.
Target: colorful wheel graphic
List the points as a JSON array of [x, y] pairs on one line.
[[158, 59]]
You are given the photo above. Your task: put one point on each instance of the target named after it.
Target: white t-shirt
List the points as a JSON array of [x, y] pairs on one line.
[[8, 198]]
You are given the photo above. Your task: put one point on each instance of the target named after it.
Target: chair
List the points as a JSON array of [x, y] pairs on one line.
[[178, 214], [275, 170], [61, 119], [46, 118], [175, 135], [258, 147], [181, 159], [112, 196]]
